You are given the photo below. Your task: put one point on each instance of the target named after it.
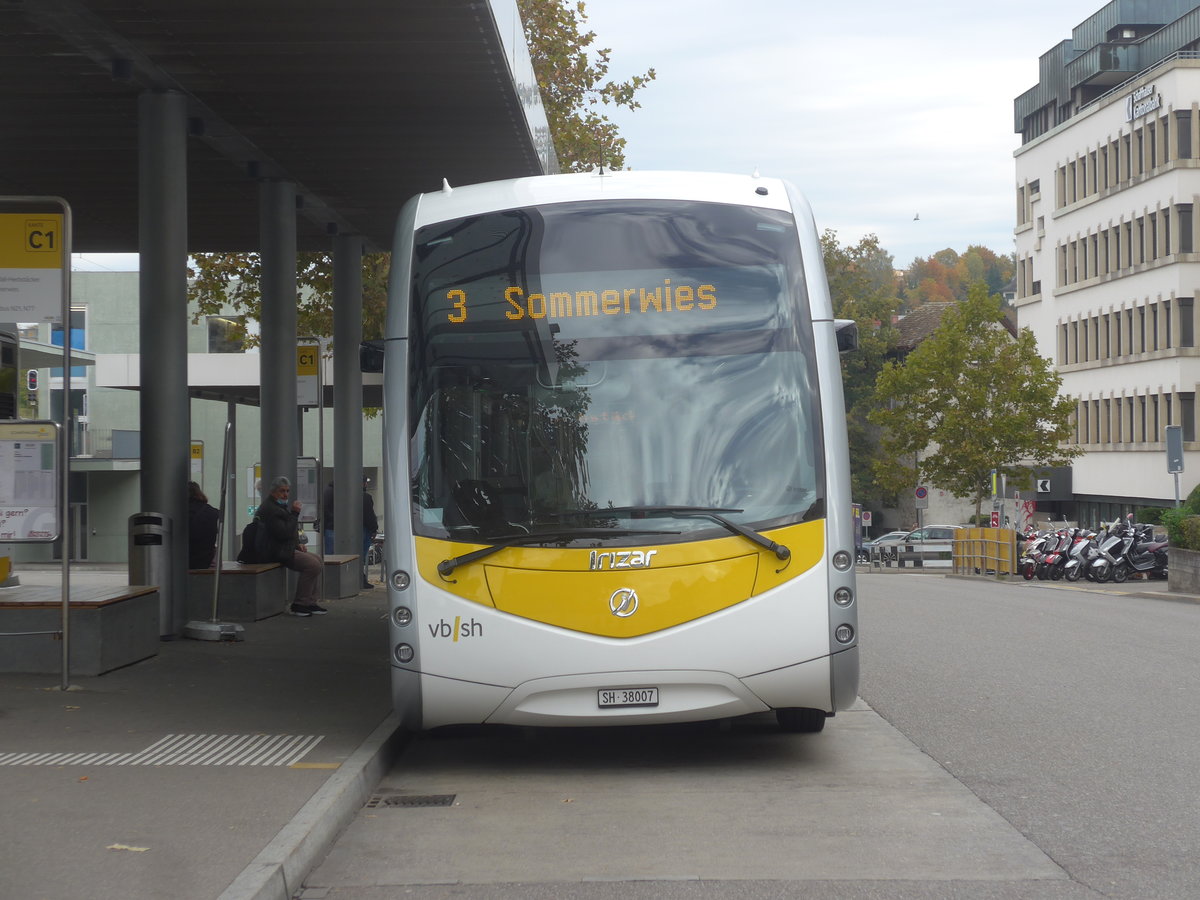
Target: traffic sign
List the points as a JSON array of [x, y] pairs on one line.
[[866, 517], [921, 496], [995, 518], [1043, 485]]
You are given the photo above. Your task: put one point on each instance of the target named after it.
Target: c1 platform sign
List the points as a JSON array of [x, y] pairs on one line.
[[32, 254]]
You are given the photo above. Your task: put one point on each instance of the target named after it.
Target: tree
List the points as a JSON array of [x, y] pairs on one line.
[[968, 400], [946, 276], [571, 76], [221, 280], [862, 285], [573, 86]]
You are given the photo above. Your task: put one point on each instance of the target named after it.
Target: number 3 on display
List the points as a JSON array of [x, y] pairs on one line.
[[459, 302]]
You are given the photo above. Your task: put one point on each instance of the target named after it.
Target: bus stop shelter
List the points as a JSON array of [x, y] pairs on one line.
[[172, 127]]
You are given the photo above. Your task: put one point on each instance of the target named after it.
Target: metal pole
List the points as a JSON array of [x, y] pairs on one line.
[[65, 504], [221, 518]]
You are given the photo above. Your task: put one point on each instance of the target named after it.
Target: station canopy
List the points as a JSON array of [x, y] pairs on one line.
[[359, 103]]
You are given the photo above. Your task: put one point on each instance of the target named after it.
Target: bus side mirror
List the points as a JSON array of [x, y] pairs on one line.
[[370, 356], [847, 335]]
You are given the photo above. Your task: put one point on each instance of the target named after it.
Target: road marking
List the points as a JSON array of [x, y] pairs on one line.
[[191, 750]]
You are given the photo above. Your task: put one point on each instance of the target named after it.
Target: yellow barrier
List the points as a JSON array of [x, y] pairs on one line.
[[985, 551]]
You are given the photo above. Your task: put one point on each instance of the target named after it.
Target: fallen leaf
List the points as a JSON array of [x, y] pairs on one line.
[[83, 778], [126, 847]]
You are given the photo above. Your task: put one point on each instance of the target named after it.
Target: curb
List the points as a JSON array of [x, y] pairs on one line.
[[278, 872]]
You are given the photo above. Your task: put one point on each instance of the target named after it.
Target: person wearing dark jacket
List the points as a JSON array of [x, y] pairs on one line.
[[370, 527], [202, 529], [280, 525]]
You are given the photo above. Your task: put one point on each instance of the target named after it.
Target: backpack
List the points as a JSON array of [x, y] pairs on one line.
[[249, 551]]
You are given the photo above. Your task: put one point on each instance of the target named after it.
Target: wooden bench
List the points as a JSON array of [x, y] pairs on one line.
[[248, 592], [110, 627], [343, 576]]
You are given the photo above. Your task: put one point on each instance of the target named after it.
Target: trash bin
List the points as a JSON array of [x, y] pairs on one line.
[[150, 560]]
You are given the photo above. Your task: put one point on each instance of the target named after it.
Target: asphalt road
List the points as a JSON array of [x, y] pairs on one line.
[[1016, 742], [1074, 714]]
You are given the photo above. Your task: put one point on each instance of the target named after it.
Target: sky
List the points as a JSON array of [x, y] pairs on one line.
[[878, 110]]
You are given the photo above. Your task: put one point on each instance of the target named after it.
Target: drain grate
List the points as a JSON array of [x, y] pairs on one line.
[[398, 801]]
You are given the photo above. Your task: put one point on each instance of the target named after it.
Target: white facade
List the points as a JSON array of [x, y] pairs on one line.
[[1108, 262]]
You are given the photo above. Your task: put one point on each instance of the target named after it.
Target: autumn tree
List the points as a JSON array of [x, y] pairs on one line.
[[970, 398], [572, 77], [862, 285], [947, 276]]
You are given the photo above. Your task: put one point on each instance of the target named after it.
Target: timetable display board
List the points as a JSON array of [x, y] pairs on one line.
[[29, 481]]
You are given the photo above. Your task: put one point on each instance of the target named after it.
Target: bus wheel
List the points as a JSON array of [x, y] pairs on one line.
[[800, 719]]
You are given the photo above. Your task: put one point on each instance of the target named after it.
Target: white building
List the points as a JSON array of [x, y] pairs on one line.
[[1108, 244]]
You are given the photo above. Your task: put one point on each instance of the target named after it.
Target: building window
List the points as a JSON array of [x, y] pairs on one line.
[[1185, 228], [1186, 326], [1187, 415], [1183, 132], [226, 334]]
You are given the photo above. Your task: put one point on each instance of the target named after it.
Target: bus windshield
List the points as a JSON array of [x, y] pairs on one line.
[[589, 364]]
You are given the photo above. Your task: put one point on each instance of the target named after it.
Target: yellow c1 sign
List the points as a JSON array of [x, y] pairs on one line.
[[306, 359], [31, 241]]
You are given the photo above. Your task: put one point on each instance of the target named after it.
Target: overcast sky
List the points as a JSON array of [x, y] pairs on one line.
[[876, 109]]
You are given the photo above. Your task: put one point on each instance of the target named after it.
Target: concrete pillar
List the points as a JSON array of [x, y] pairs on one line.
[[280, 439], [347, 394], [162, 305]]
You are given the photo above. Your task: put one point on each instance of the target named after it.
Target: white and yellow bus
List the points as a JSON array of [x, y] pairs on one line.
[[619, 490]]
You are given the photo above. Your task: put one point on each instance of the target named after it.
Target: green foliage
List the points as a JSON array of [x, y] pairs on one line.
[[1149, 515], [862, 285], [220, 281], [970, 399], [1183, 522], [1183, 528], [571, 74]]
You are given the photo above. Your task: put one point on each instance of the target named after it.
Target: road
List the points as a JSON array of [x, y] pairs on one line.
[[1014, 741]]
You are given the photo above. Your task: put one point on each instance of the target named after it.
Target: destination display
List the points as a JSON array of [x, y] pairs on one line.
[[637, 302]]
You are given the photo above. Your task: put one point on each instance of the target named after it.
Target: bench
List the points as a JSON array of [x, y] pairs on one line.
[[110, 627], [343, 576], [249, 592]]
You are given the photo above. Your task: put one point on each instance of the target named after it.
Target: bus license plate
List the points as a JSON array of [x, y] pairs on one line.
[[609, 698]]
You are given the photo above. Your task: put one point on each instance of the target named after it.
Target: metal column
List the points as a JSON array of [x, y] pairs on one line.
[[347, 394], [279, 435], [162, 285]]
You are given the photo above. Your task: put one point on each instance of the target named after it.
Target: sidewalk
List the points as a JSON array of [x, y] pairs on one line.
[[209, 764]]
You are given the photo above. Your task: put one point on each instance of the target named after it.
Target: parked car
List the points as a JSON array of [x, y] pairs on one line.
[[931, 534], [892, 537]]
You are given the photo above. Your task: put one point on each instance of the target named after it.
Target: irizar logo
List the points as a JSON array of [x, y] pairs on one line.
[[621, 559], [457, 629]]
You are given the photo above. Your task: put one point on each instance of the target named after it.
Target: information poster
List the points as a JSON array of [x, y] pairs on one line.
[[307, 489], [29, 481]]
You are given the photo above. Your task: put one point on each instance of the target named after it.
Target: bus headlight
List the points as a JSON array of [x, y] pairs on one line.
[[843, 633], [402, 616], [400, 580], [843, 597], [841, 560], [404, 653]]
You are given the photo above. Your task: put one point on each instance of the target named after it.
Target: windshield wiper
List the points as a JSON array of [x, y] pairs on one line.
[[693, 512], [446, 566]]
